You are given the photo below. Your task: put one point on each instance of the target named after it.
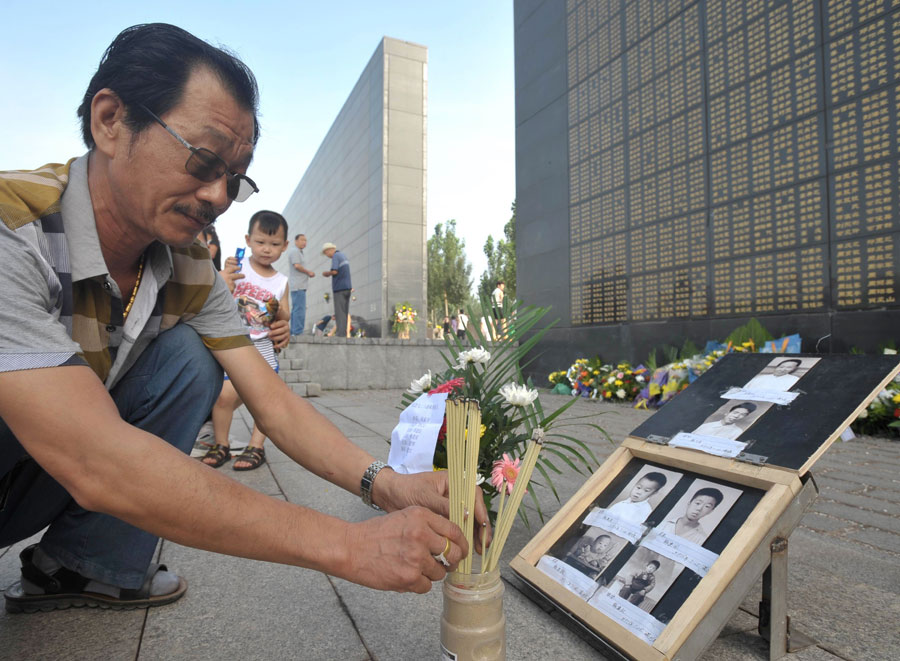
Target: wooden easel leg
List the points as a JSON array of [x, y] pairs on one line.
[[773, 618], [774, 622]]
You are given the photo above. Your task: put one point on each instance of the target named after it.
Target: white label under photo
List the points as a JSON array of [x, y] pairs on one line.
[[693, 556], [639, 622], [721, 447], [414, 437], [781, 398], [569, 577], [601, 518]]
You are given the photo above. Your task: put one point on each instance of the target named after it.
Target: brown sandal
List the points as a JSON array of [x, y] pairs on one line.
[[219, 455], [256, 457]]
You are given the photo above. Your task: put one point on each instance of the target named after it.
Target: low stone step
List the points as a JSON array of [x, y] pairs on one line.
[[306, 389], [297, 376]]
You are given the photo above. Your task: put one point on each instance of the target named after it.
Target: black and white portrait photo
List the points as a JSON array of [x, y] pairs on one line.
[[732, 419], [781, 374]]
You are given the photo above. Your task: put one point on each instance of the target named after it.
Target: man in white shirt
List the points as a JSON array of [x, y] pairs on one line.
[[781, 379], [726, 427]]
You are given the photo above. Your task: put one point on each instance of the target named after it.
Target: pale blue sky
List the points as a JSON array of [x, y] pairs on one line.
[[307, 56]]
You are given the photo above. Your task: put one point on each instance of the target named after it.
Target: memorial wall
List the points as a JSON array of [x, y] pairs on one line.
[[721, 159], [364, 190]]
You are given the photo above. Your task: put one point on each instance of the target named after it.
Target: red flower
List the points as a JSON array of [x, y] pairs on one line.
[[450, 386], [442, 432], [897, 413]]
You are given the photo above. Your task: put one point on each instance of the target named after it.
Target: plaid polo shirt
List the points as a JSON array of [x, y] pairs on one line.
[[58, 304]]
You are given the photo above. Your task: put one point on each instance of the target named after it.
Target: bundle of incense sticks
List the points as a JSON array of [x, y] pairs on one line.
[[463, 438], [507, 515]]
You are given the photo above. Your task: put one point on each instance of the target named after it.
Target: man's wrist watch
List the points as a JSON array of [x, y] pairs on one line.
[[368, 479]]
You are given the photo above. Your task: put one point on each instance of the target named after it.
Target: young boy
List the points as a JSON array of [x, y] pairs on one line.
[[635, 508], [262, 297], [688, 525], [640, 584], [596, 554]]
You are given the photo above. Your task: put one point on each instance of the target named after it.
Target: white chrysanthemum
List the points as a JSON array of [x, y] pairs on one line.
[[639, 378], [420, 385], [611, 380], [476, 355], [620, 393], [863, 414], [518, 395], [885, 395]]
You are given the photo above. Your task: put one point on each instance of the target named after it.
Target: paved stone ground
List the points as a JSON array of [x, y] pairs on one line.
[[844, 574]]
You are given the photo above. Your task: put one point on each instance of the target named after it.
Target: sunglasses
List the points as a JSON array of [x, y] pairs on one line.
[[207, 166]]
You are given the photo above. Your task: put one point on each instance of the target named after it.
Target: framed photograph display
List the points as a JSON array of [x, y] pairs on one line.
[[643, 553]]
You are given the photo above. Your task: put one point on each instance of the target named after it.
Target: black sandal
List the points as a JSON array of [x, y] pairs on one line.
[[218, 453], [65, 589], [256, 457]]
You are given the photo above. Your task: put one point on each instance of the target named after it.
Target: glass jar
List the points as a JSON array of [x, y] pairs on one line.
[[473, 625]]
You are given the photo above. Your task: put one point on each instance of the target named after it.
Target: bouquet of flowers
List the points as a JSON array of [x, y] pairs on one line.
[[622, 382], [509, 404], [404, 317], [883, 412]]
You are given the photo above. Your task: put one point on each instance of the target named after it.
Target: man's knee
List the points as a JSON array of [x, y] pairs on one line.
[[182, 344]]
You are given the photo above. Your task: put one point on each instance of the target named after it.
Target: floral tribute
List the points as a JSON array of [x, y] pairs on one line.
[[883, 413], [404, 318], [490, 374]]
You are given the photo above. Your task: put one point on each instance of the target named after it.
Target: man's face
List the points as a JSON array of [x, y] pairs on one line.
[[650, 568], [783, 369], [734, 415], [300, 242], [329, 253], [149, 186], [699, 507], [643, 490]]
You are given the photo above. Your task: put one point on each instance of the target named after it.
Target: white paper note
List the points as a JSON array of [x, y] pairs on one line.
[[721, 447], [601, 518], [640, 623], [414, 437], [684, 552], [569, 577], [774, 396]]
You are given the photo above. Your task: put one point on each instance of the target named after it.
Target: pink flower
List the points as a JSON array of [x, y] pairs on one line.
[[619, 375], [505, 470], [450, 386]]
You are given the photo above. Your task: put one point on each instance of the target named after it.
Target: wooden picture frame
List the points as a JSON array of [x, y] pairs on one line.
[[772, 490]]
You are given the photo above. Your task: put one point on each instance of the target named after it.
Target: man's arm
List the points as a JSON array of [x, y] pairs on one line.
[[319, 446], [96, 456]]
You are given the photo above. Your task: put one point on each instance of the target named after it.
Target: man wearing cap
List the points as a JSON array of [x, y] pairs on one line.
[[340, 286]]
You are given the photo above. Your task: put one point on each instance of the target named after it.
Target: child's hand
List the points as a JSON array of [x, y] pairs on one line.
[[230, 273], [280, 333]]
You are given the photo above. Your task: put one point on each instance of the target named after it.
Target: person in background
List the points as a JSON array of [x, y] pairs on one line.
[[497, 308], [298, 276], [446, 328], [212, 243], [341, 287], [461, 324]]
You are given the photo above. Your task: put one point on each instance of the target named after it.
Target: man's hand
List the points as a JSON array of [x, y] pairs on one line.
[[280, 333], [327, 274], [230, 273], [396, 552], [392, 491], [311, 274]]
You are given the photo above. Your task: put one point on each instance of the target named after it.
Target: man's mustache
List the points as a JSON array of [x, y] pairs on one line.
[[205, 212]]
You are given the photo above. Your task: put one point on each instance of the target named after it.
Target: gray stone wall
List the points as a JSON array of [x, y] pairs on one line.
[[361, 363], [365, 192]]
